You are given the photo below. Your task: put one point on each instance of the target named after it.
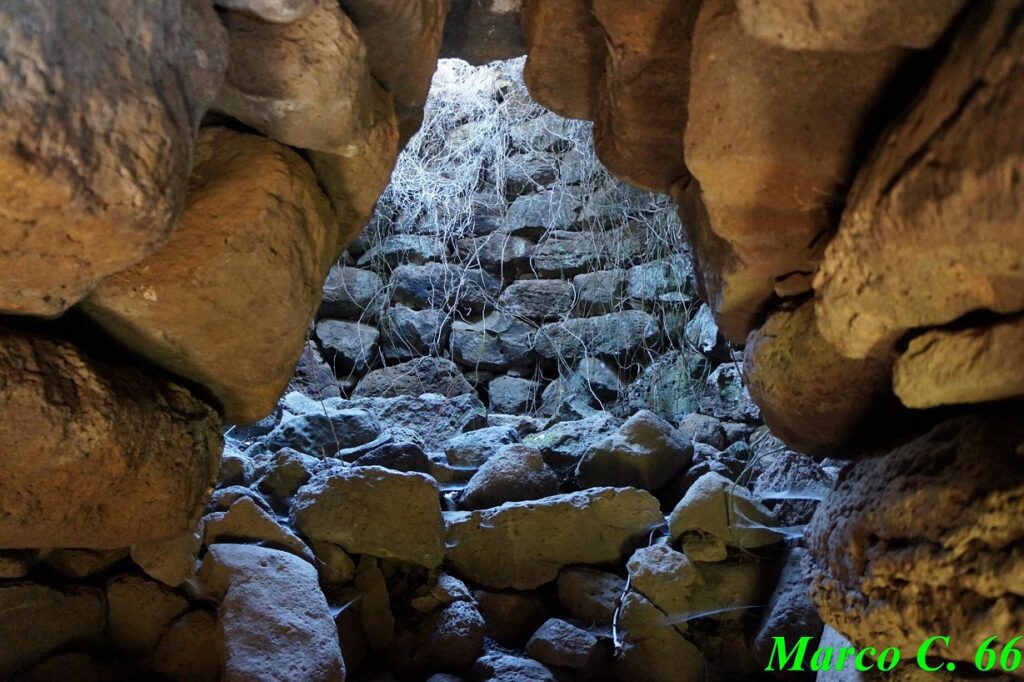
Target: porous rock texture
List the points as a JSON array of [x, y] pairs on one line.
[[254, 244], [97, 455], [813, 398], [923, 539], [82, 193], [934, 222]]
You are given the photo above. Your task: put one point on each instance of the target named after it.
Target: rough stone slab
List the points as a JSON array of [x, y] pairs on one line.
[[925, 539], [227, 300], [99, 106], [373, 510], [934, 222], [97, 456], [273, 622], [615, 335], [965, 366], [414, 378], [38, 619], [523, 545]]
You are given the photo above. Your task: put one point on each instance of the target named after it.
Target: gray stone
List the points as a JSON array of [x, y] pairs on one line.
[[563, 645], [790, 484], [790, 613], [664, 576], [499, 252], [397, 455], [448, 287], [551, 210], [701, 428], [39, 619], [703, 336], [414, 378], [671, 386], [495, 344], [617, 335], [501, 667], [473, 448], [273, 621], [356, 509], [511, 395], [589, 594], [653, 651], [645, 452], [524, 544], [715, 505], [324, 431], [434, 418], [726, 397], [538, 300], [598, 380], [348, 346], [648, 283], [284, 473], [313, 377], [601, 292], [512, 474], [565, 443], [351, 294], [527, 173], [402, 249], [406, 334], [245, 521], [562, 255], [450, 638]]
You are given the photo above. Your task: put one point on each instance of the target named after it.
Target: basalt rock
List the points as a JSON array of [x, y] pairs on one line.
[[82, 193], [615, 335], [256, 241], [923, 539], [414, 378], [83, 467]]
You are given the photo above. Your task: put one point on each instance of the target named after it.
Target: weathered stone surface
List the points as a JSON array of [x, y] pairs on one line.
[[539, 300], [38, 619], [324, 430], [482, 31], [934, 222], [245, 521], [255, 242], [524, 544], [962, 366], [81, 465], [434, 418], [560, 644], [81, 563], [276, 11], [790, 612], [273, 621], [313, 377], [725, 396], [355, 508], [664, 576], [171, 561], [565, 55], [701, 428], [187, 650], [435, 285], [716, 506], [565, 443], [652, 650], [450, 638], [645, 452], [857, 25], [496, 343], [563, 254], [513, 474], [348, 346], [138, 610], [641, 106], [476, 447], [814, 399], [351, 293], [288, 469], [402, 41], [771, 167], [501, 667], [375, 615], [924, 539], [503, 254], [306, 83], [615, 335], [590, 595], [599, 292], [92, 171], [658, 282], [406, 334], [671, 386], [414, 378], [512, 395], [403, 249]]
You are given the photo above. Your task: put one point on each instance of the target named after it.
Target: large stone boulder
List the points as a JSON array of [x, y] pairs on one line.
[[255, 241], [924, 540], [93, 177], [975, 365], [324, 429], [414, 378], [373, 510], [615, 335], [435, 285], [39, 619], [402, 42], [512, 395], [716, 506], [652, 649], [495, 344], [565, 47], [538, 300], [403, 249], [350, 347], [645, 452], [406, 334], [933, 224], [817, 401], [857, 26], [771, 138], [513, 474], [434, 418], [306, 83], [523, 545], [503, 254], [273, 621], [351, 293], [82, 466], [599, 292]]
